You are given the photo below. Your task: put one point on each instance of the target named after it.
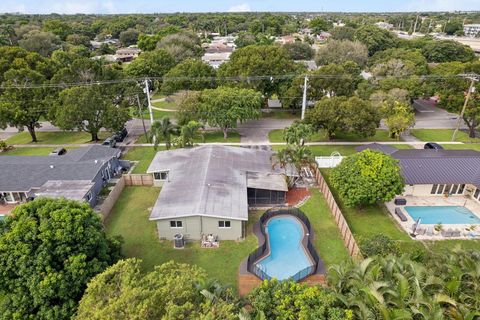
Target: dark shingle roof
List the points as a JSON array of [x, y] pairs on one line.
[[22, 173], [428, 166]]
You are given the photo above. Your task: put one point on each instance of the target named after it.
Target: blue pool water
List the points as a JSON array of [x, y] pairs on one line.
[[442, 214], [287, 256]]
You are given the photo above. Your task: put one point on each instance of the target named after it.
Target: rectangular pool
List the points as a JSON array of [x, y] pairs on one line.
[[442, 214]]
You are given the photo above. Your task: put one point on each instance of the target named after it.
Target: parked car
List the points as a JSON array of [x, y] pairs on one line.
[[110, 142], [58, 152], [432, 145], [120, 135]]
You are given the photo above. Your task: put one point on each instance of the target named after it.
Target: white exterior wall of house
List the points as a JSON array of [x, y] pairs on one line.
[[193, 227], [420, 190]]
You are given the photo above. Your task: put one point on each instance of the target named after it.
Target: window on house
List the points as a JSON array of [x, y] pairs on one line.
[[477, 192], [162, 175], [454, 189], [447, 188], [224, 224], [88, 196], [460, 190], [176, 224], [434, 189], [440, 188]]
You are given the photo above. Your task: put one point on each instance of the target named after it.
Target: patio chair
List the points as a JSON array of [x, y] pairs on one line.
[[400, 214], [446, 233], [421, 231]]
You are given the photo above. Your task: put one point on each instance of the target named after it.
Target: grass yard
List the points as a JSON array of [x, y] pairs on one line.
[[381, 135], [345, 150], [56, 137], [441, 135], [144, 156], [282, 115], [210, 136], [29, 151], [328, 241], [129, 218], [166, 105], [373, 220], [470, 146]]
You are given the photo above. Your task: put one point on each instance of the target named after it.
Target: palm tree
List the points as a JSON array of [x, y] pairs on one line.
[[163, 130], [189, 132]]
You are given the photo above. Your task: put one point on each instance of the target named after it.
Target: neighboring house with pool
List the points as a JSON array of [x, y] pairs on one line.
[[441, 187], [210, 189]]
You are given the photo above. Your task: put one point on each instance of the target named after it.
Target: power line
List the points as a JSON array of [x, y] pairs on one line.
[[220, 79]]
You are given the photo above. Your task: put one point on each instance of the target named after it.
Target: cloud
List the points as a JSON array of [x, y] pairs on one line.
[[442, 5], [244, 7]]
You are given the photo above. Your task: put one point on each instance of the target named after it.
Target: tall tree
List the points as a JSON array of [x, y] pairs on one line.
[[258, 60], [319, 24], [375, 38], [341, 114], [297, 133], [190, 74], [341, 51], [181, 46], [224, 107], [129, 37], [49, 250], [366, 178], [299, 50], [151, 64], [41, 42], [170, 291], [25, 100], [447, 50]]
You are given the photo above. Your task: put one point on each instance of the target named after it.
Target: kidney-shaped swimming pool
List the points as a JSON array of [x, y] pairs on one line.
[[287, 254]]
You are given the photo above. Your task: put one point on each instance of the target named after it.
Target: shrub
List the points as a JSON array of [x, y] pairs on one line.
[[378, 245]]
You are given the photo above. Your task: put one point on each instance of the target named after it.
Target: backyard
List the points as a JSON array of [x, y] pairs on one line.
[[129, 218], [373, 220]]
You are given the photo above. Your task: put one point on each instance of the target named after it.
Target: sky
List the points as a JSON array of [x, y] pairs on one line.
[[152, 6]]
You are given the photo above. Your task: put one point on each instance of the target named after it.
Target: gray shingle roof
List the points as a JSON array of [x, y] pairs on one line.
[[22, 173], [207, 181], [428, 166]]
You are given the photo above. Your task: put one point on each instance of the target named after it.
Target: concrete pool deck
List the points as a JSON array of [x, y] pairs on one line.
[[430, 233]]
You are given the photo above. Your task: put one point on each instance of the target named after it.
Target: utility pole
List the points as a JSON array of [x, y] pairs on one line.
[[471, 89], [415, 27], [150, 111], [304, 101], [140, 112]]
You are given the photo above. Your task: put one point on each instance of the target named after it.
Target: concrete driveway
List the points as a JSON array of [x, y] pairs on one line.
[[429, 116], [256, 131]]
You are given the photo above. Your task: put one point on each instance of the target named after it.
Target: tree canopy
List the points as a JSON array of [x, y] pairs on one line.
[[191, 74], [224, 107], [366, 178], [151, 64], [49, 250], [299, 50], [258, 60], [171, 291], [375, 38], [341, 51]]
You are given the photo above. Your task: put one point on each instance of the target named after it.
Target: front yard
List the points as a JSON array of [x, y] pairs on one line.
[[56, 137], [30, 151], [442, 135], [129, 218], [209, 137], [381, 135]]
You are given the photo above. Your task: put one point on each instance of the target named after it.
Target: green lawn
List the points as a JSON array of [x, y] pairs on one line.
[[381, 135], [375, 219], [441, 135], [345, 150], [328, 241], [144, 156], [282, 115], [129, 218], [166, 105], [57, 137], [29, 151], [472, 146], [210, 136]]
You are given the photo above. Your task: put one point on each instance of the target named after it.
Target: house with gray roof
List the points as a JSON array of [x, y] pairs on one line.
[[429, 172], [80, 174], [209, 190]]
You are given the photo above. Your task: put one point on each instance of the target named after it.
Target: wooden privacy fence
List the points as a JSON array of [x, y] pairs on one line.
[[125, 180], [112, 198], [347, 236], [138, 179]]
